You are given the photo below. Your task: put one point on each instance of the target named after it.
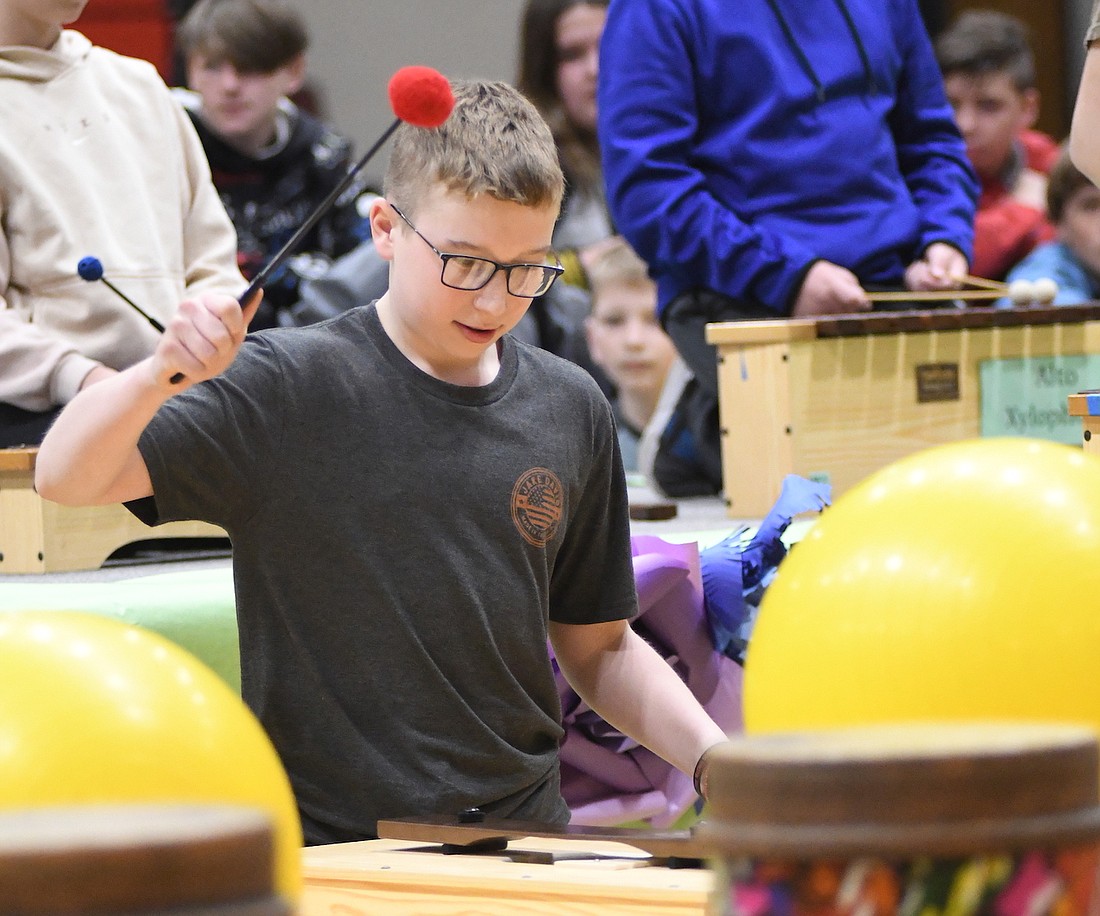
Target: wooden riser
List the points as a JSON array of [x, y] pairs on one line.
[[37, 536]]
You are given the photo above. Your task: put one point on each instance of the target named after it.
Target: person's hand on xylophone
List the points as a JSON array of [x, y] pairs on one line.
[[829, 289], [938, 269]]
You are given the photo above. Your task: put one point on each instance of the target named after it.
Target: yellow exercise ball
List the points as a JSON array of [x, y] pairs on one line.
[[93, 710], [957, 583]]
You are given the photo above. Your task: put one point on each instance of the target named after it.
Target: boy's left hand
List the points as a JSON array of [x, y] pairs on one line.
[[942, 267]]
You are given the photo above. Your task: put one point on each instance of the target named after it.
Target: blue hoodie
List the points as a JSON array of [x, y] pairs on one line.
[[745, 139]]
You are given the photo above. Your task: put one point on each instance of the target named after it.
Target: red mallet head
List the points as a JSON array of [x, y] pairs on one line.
[[421, 96]]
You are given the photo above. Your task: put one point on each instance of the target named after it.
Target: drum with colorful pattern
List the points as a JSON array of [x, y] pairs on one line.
[[921, 820]]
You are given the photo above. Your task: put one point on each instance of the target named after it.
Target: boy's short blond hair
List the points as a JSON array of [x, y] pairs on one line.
[[495, 142], [617, 265]]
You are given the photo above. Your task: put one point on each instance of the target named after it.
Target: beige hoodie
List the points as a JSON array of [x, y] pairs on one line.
[[96, 158]]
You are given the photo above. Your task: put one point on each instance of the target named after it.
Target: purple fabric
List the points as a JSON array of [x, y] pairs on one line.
[[608, 778]]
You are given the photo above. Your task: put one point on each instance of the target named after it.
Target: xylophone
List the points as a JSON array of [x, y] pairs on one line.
[[852, 818], [541, 875], [838, 397]]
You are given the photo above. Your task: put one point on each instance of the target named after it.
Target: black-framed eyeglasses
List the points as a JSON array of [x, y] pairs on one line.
[[463, 271]]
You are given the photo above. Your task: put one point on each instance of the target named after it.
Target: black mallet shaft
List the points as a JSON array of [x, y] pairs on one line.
[[91, 269]]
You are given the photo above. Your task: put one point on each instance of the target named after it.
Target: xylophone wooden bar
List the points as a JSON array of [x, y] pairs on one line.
[[663, 844]]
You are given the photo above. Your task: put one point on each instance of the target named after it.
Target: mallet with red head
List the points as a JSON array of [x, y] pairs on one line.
[[420, 96]]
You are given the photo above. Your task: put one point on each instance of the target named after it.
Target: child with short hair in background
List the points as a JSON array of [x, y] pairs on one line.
[[272, 162], [1072, 260], [989, 75], [627, 342]]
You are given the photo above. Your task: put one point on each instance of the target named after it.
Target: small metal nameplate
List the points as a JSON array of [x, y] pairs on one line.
[[937, 382]]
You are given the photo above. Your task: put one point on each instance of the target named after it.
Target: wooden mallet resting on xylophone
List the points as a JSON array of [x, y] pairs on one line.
[[1021, 292]]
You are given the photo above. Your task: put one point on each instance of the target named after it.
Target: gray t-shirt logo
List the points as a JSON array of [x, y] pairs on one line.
[[537, 505]]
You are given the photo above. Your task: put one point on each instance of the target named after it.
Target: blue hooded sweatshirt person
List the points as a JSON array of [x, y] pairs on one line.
[[744, 140]]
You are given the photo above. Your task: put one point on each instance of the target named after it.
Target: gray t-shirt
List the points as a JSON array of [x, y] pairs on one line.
[[399, 544]]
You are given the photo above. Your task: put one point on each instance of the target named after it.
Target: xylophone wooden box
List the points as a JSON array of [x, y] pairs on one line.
[[37, 536], [839, 397]]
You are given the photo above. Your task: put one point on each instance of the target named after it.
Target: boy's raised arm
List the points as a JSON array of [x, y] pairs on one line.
[[90, 455]]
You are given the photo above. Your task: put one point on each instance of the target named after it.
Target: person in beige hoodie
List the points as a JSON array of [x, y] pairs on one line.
[[96, 159]]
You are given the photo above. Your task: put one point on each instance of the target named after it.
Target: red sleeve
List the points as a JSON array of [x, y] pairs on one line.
[[1004, 234], [1041, 150]]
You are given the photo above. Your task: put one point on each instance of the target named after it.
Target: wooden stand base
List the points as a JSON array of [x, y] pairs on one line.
[[1086, 405], [37, 536]]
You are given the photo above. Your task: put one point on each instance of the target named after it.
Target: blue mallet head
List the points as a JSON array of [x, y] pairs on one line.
[[90, 268]]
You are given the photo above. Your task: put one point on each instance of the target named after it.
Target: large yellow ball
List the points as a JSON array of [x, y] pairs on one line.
[[962, 582], [93, 710]]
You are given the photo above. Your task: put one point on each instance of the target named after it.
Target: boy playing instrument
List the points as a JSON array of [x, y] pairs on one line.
[[417, 501]]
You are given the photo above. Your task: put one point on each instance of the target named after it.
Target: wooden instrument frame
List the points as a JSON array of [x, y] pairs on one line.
[[38, 536], [837, 396]]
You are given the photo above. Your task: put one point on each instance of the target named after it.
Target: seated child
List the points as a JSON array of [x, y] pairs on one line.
[[626, 340], [272, 162], [417, 502], [1073, 259], [989, 75]]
